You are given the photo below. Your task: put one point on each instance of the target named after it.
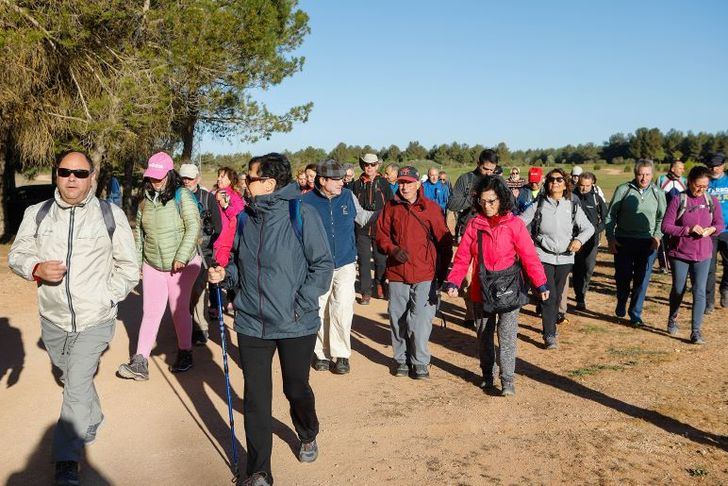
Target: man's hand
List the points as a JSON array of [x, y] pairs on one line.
[[177, 266], [400, 255], [545, 296], [574, 246], [215, 274], [613, 247], [697, 230], [654, 244], [50, 271]]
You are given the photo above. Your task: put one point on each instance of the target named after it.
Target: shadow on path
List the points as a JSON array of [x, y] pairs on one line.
[[12, 352]]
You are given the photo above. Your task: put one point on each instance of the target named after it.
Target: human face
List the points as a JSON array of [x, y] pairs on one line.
[[74, 189], [515, 174], [310, 177], [699, 186], [349, 176], [643, 177], [302, 180], [585, 185], [223, 181], [371, 169], [678, 169], [443, 178], [257, 185], [390, 175], [556, 184], [158, 184], [487, 168], [191, 183], [408, 190], [489, 203], [717, 171], [433, 175], [331, 186], [575, 180]]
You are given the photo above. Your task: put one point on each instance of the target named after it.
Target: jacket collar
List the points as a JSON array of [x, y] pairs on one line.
[[64, 205], [259, 205], [366, 180]]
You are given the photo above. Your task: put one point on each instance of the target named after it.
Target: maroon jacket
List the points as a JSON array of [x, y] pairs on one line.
[[420, 230]]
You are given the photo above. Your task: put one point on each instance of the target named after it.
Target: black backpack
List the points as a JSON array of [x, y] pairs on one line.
[[106, 212]]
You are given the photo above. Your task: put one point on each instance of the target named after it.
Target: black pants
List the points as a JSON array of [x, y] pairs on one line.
[[720, 251], [584, 262], [556, 279], [256, 357], [366, 247]]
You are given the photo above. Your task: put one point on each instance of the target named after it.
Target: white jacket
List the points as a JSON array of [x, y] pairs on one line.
[[99, 274]]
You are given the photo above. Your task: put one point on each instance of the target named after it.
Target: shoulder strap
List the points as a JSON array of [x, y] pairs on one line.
[[665, 182], [536, 221], [108, 216], [574, 209], [294, 211], [481, 261], [42, 213], [682, 205]]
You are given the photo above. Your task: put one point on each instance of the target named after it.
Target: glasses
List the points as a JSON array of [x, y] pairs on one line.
[[77, 173], [488, 202], [250, 179], [486, 170], [556, 180], [335, 178], [370, 164]]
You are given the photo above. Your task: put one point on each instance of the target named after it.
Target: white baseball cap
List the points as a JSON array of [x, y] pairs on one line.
[[577, 170], [190, 171]]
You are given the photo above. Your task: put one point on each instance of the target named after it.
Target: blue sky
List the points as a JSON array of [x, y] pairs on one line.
[[529, 73]]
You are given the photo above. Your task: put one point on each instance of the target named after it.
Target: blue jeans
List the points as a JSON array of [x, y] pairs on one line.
[[632, 271], [698, 278]]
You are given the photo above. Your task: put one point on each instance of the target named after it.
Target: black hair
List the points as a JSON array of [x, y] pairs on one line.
[[699, 172], [255, 160], [589, 176], [174, 181], [488, 155], [567, 181], [495, 184], [276, 166], [312, 167]]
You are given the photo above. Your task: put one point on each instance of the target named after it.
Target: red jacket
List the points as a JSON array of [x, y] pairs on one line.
[[412, 227], [504, 238]]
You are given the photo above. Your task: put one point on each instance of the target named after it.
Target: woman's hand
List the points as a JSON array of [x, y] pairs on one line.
[[697, 230], [545, 296], [215, 274], [222, 199], [708, 231], [574, 246], [177, 266]]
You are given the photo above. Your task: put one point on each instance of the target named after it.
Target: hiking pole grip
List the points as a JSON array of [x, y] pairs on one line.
[[223, 345]]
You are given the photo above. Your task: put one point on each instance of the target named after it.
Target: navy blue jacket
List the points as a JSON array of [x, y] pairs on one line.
[[280, 278]]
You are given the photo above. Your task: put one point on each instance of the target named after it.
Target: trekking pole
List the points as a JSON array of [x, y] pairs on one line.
[[221, 322]]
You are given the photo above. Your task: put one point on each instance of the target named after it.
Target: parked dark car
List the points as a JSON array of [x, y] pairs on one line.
[[26, 196]]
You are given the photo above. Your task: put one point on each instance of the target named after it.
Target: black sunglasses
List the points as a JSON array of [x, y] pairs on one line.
[[77, 173]]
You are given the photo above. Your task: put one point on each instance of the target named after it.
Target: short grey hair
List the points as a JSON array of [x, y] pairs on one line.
[[392, 167], [644, 163]]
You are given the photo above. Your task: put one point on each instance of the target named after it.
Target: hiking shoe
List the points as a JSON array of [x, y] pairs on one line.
[[321, 364], [91, 432], [400, 369], [136, 369], [342, 366], [199, 337], [709, 309], [486, 383], [365, 299], [508, 390], [255, 479], [637, 323], [724, 298], [672, 327], [420, 372], [469, 323], [562, 320], [697, 338], [66, 473], [308, 451], [581, 306], [183, 362], [550, 342], [378, 292]]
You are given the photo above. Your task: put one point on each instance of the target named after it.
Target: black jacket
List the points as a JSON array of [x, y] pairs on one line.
[[372, 196], [595, 209]]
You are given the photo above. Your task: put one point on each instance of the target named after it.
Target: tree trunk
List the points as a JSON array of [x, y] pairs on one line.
[[7, 184], [188, 138], [127, 199]]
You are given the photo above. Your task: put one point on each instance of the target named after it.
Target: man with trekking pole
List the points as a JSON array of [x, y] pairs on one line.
[[81, 253]]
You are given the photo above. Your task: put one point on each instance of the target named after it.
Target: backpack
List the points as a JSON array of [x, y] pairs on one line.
[[536, 222], [105, 212], [178, 202], [294, 212], [682, 206]]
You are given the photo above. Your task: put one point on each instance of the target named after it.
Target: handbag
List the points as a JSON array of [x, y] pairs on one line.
[[501, 290]]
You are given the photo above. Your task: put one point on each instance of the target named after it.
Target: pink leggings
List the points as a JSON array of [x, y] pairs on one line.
[[158, 288]]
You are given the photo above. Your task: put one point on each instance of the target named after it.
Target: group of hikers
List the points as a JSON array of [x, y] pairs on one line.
[[287, 252]]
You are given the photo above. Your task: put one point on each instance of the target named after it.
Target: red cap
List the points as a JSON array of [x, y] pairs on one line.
[[535, 174]]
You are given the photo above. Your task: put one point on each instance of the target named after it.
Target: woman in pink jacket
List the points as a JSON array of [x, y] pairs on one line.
[[505, 242], [230, 203]]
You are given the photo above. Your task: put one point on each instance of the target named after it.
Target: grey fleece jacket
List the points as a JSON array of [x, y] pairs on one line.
[[555, 232]]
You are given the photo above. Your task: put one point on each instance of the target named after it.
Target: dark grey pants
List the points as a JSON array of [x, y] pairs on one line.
[[77, 355], [584, 262], [507, 324]]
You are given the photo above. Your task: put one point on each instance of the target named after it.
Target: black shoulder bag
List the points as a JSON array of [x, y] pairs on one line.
[[502, 290]]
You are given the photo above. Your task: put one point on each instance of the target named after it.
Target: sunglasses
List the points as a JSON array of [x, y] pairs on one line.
[[250, 179], [372, 164], [77, 173], [556, 179]]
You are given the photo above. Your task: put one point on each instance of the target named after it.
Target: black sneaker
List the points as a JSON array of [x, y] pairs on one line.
[[321, 364], [697, 338], [308, 451], [420, 372], [672, 327], [136, 369], [469, 323], [255, 479], [66, 473], [183, 362], [342, 366], [400, 369], [581, 306], [199, 337]]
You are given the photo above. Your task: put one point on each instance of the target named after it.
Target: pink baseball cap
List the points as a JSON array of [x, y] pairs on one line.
[[158, 166]]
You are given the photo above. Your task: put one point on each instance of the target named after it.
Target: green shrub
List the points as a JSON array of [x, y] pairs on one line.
[[597, 166], [627, 168]]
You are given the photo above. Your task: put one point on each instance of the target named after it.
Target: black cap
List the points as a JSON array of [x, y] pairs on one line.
[[714, 160]]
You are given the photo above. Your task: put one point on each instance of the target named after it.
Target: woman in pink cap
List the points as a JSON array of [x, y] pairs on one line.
[[167, 234]]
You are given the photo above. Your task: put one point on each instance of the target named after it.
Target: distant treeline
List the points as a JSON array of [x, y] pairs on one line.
[[620, 148]]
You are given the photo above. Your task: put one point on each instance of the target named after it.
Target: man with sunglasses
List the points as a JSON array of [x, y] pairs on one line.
[[373, 191], [339, 210], [84, 265]]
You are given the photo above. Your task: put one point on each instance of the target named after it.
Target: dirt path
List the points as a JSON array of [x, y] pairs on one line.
[[613, 405]]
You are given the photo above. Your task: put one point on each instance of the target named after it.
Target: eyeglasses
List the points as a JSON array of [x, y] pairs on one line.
[[370, 164], [250, 179], [77, 173], [488, 202], [488, 170], [555, 180]]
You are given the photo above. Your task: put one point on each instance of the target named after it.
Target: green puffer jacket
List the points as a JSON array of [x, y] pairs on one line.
[[165, 233]]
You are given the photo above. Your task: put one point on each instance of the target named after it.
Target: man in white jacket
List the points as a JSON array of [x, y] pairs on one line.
[[81, 253]]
